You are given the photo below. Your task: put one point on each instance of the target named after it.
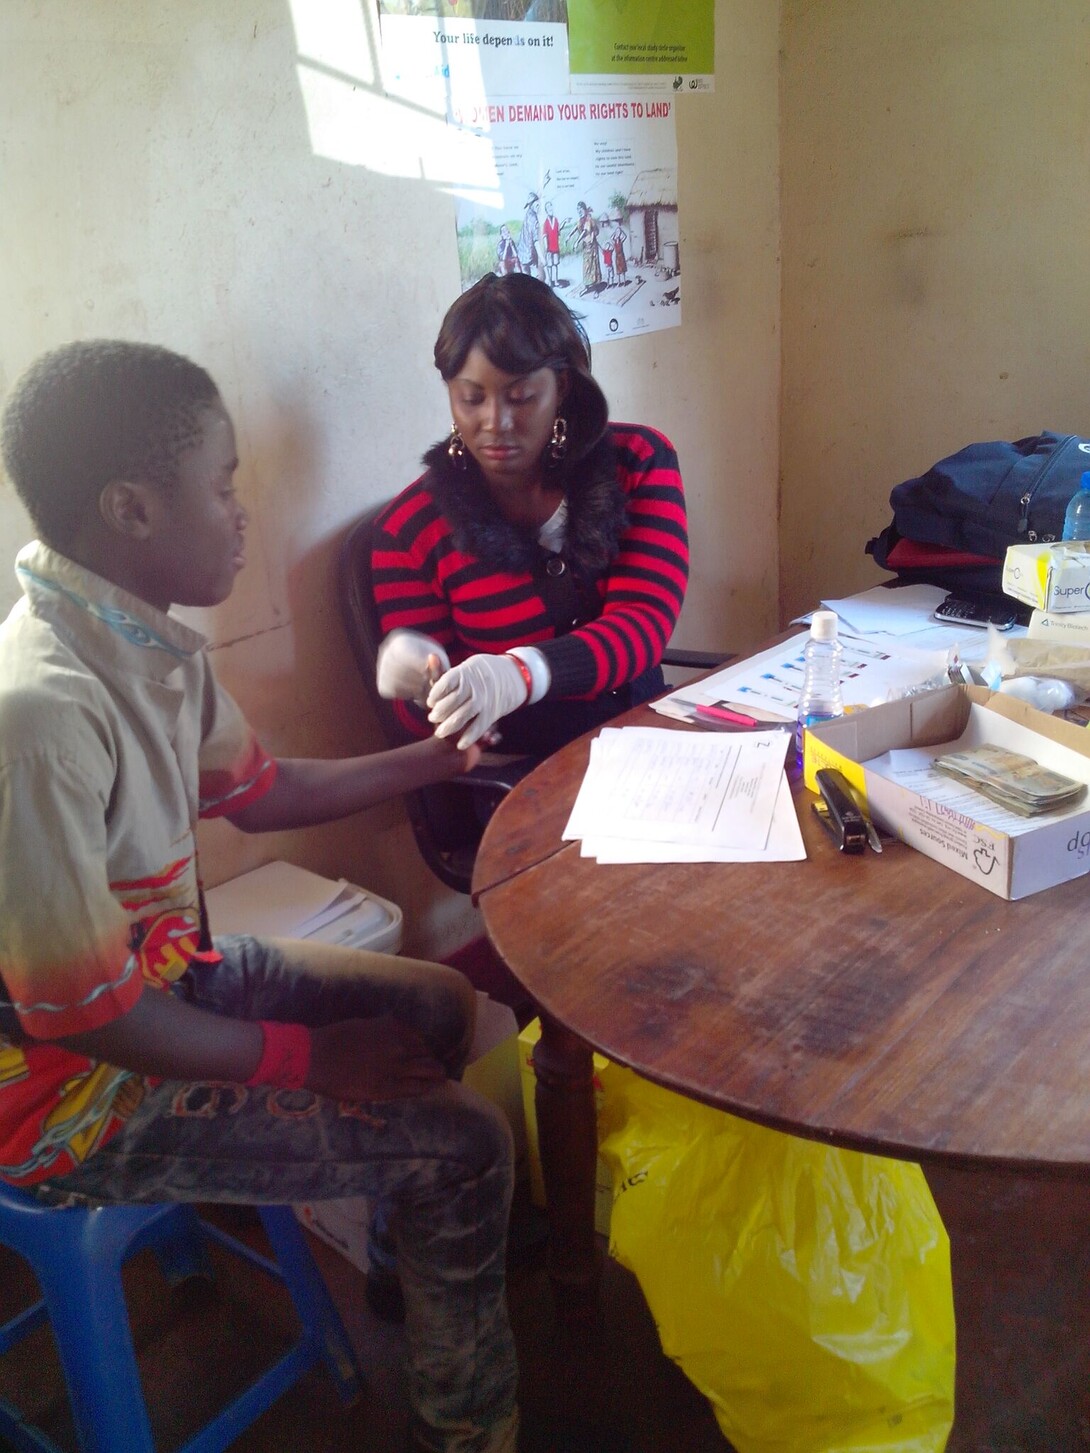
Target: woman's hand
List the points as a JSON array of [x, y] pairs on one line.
[[409, 663], [470, 698]]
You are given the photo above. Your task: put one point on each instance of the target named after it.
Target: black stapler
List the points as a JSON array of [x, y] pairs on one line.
[[839, 812]]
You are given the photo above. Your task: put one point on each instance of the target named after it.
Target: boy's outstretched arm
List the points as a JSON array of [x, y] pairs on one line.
[[357, 1059], [309, 790]]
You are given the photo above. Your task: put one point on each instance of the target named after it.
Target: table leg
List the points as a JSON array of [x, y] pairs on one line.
[[568, 1142], [1020, 1251]]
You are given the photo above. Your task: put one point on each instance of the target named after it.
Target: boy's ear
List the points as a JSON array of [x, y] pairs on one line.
[[129, 508]]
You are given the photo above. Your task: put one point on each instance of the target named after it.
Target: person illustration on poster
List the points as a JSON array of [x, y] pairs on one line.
[[620, 263], [607, 255], [528, 250], [586, 232], [507, 256], [550, 230]]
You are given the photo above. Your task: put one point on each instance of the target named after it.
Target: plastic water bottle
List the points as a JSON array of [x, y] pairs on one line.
[[1077, 516], [820, 698]]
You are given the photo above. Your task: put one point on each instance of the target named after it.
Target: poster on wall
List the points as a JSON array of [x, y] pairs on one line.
[[439, 54], [642, 46], [584, 197]]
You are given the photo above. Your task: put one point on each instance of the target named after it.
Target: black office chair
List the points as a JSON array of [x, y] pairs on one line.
[[447, 818]]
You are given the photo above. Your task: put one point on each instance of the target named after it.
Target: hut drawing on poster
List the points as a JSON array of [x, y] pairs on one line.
[[583, 196]]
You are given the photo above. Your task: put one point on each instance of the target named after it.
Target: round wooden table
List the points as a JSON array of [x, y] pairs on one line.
[[880, 1002]]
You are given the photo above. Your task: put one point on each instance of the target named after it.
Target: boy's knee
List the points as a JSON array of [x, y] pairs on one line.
[[487, 1140], [453, 1019]]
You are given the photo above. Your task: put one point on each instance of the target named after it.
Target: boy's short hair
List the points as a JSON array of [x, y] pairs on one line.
[[93, 412]]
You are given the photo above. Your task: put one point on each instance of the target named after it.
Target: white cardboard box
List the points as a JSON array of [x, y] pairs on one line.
[[1054, 849], [1070, 629], [493, 1071], [1052, 577]]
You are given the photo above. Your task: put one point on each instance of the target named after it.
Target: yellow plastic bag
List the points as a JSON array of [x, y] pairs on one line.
[[804, 1290]]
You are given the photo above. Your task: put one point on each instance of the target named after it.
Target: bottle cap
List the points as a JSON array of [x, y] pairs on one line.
[[823, 623], [1084, 482]]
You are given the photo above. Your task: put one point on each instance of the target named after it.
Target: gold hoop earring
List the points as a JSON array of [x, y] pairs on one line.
[[558, 444], [456, 448]]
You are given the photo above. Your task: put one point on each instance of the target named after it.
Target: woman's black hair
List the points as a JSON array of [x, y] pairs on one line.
[[93, 412], [521, 325]]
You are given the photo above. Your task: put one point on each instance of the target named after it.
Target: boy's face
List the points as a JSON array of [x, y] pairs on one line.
[[197, 542]]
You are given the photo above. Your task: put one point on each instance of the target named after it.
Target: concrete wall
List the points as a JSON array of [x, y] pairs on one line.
[[228, 180], [935, 287]]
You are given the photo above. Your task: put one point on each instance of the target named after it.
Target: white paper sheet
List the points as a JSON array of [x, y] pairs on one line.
[[902, 619], [894, 612], [784, 843], [647, 785], [769, 683]]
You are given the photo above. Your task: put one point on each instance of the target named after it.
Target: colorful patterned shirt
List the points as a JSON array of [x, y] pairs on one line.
[[114, 738]]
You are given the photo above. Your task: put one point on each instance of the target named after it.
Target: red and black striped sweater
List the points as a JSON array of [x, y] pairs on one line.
[[445, 562]]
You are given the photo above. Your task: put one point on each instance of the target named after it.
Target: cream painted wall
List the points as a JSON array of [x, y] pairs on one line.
[[935, 286], [229, 181]]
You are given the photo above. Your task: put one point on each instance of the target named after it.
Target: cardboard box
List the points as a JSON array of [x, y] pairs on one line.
[[493, 1071], [1053, 849], [603, 1177], [1051, 577], [1070, 629]]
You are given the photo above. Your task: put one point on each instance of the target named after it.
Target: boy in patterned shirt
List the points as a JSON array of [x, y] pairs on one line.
[[140, 1061]]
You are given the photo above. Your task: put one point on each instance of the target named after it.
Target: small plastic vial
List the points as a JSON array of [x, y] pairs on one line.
[[1077, 515], [820, 698]]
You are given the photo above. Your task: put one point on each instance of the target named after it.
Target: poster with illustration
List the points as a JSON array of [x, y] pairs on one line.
[[583, 195], [439, 54]]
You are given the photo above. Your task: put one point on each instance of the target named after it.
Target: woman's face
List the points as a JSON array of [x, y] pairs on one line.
[[505, 419]]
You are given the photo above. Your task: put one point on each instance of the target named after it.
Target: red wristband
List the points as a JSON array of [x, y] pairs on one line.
[[525, 671], [285, 1058]]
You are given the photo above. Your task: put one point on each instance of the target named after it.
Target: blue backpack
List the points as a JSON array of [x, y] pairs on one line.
[[980, 500]]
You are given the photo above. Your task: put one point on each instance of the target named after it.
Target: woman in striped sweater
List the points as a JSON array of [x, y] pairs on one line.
[[535, 571]]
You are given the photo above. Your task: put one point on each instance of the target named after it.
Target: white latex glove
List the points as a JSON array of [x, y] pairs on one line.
[[473, 696], [408, 665]]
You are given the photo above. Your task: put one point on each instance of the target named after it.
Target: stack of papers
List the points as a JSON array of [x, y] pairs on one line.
[[280, 900], [892, 647], [903, 619], [655, 796], [768, 685]]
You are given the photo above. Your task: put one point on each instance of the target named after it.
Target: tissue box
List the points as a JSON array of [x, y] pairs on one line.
[[603, 1177], [493, 1071], [1051, 577], [1053, 850]]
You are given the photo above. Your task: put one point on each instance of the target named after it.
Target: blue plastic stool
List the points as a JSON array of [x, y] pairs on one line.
[[77, 1257]]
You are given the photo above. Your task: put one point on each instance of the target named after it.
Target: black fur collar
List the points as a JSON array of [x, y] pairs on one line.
[[597, 513]]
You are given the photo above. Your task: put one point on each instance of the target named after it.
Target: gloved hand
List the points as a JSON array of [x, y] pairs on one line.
[[469, 698], [408, 665]]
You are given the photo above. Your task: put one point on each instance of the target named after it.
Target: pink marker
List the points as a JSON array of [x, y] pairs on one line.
[[724, 713]]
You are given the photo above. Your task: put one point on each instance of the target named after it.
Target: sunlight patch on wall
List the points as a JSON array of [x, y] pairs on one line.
[[337, 35], [351, 120]]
